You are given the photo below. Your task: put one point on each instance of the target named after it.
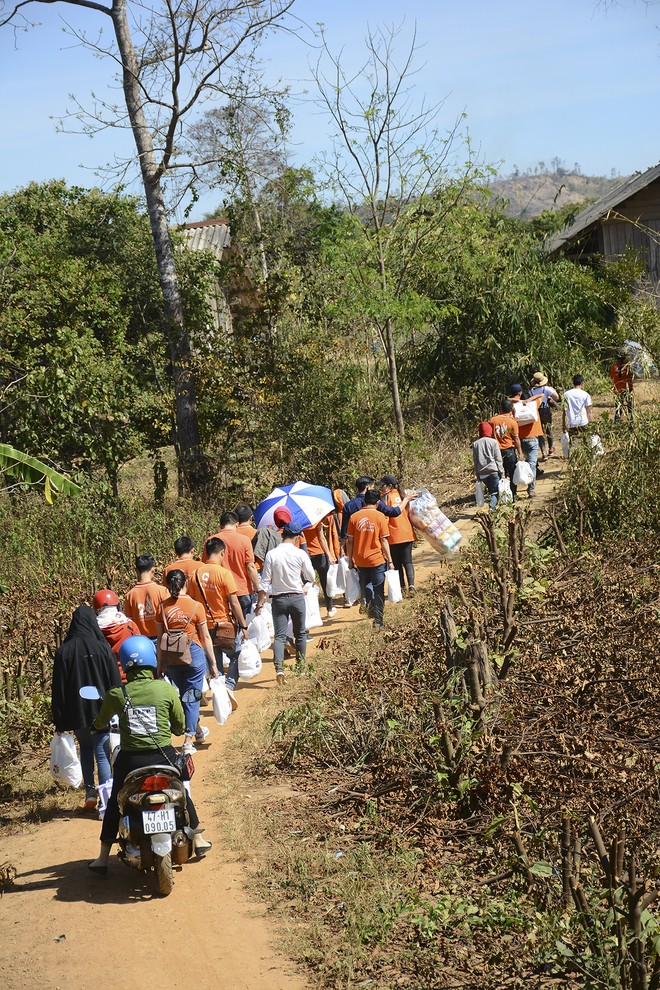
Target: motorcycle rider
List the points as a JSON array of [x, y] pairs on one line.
[[161, 714]]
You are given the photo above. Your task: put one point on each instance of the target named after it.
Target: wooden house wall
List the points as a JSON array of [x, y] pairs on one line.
[[616, 236]]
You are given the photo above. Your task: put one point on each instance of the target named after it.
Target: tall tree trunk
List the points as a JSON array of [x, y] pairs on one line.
[[390, 351], [192, 463]]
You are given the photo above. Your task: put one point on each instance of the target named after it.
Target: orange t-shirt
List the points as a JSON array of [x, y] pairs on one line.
[[400, 528], [183, 613], [238, 555], [247, 530], [142, 604], [186, 564], [529, 430], [505, 429], [621, 379], [218, 584], [368, 527], [332, 535]]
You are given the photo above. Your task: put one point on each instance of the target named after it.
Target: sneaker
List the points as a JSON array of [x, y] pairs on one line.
[[378, 626], [332, 611], [310, 638], [232, 698], [551, 451], [188, 749], [202, 733], [280, 678], [91, 798], [540, 472], [531, 494], [411, 591]]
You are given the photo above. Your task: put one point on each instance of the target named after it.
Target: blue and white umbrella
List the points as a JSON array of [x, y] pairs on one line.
[[308, 504]]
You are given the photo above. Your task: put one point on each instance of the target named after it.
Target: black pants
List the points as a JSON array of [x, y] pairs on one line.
[[510, 459], [320, 565], [126, 762], [402, 560]]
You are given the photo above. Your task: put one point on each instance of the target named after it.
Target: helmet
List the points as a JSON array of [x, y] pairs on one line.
[[103, 598], [137, 651]]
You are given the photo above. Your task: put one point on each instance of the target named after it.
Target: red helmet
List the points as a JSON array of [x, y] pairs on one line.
[[103, 598]]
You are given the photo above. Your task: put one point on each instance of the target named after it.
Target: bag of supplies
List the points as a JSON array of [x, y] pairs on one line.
[[394, 593], [64, 762]]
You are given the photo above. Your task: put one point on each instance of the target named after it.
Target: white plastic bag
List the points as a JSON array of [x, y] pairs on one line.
[[258, 632], [504, 491], [331, 581], [104, 790], [479, 494], [597, 446], [342, 571], [267, 612], [221, 702], [523, 475], [249, 661], [312, 610], [394, 593], [64, 763], [565, 441], [352, 592], [525, 412]]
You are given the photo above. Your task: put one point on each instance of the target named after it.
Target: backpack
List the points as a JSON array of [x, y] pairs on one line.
[[174, 645]]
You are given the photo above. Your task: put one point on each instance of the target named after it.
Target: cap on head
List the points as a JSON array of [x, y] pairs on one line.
[[485, 429], [104, 597], [291, 529], [282, 516], [539, 379], [389, 480], [515, 390]]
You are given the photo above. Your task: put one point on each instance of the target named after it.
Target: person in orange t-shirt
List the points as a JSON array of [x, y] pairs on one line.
[[142, 602], [184, 549], [239, 559], [215, 588], [368, 549], [529, 434], [622, 381], [505, 431], [245, 515], [321, 557], [401, 533], [181, 612]]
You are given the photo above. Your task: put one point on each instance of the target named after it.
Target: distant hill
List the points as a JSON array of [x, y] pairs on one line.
[[529, 194]]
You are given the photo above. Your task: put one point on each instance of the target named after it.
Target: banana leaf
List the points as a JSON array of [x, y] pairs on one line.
[[29, 471]]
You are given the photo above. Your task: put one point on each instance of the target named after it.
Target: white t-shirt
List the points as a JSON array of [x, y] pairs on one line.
[[286, 568], [576, 401], [546, 391]]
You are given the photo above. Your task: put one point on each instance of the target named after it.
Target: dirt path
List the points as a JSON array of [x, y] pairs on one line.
[[63, 929]]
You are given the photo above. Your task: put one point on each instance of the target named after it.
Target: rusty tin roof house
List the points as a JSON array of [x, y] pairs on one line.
[[628, 216]]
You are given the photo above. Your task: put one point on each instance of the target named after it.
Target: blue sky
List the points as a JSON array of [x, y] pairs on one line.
[[569, 78]]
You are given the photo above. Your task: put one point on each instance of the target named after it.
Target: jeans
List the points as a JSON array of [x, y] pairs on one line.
[[231, 677], [126, 761], [287, 607], [492, 483], [94, 745], [510, 459], [188, 677], [372, 584], [530, 448], [246, 603], [320, 565], [402, 560]]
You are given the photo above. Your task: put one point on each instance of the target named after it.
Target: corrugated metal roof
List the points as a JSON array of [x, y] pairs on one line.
[[596, 211], [208, 235]]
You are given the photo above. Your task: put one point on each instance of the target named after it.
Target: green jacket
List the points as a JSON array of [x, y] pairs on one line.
[[154, 714]]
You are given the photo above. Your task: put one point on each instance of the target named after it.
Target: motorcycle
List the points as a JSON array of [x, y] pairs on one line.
[[154, 827]]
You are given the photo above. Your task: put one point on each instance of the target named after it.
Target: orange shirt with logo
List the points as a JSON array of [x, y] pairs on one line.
[[529, 430], [505, 429], [186, 564], [142, 604], [183, 613], [400, 527], [368, 527], [239, 554], [218, 584]]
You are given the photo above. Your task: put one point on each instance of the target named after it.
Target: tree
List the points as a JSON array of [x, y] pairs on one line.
[[388, 159], [173, 55]]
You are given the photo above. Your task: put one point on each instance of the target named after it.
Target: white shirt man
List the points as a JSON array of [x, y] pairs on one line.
[[576, 406]]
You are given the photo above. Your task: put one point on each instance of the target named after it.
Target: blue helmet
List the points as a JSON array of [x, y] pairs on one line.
[[137, 651]]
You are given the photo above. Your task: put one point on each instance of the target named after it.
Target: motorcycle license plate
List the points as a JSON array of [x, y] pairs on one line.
[[160, 820]]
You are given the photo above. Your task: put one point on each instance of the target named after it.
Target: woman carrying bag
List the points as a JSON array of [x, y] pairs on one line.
[[181, 623], [84, 658]]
